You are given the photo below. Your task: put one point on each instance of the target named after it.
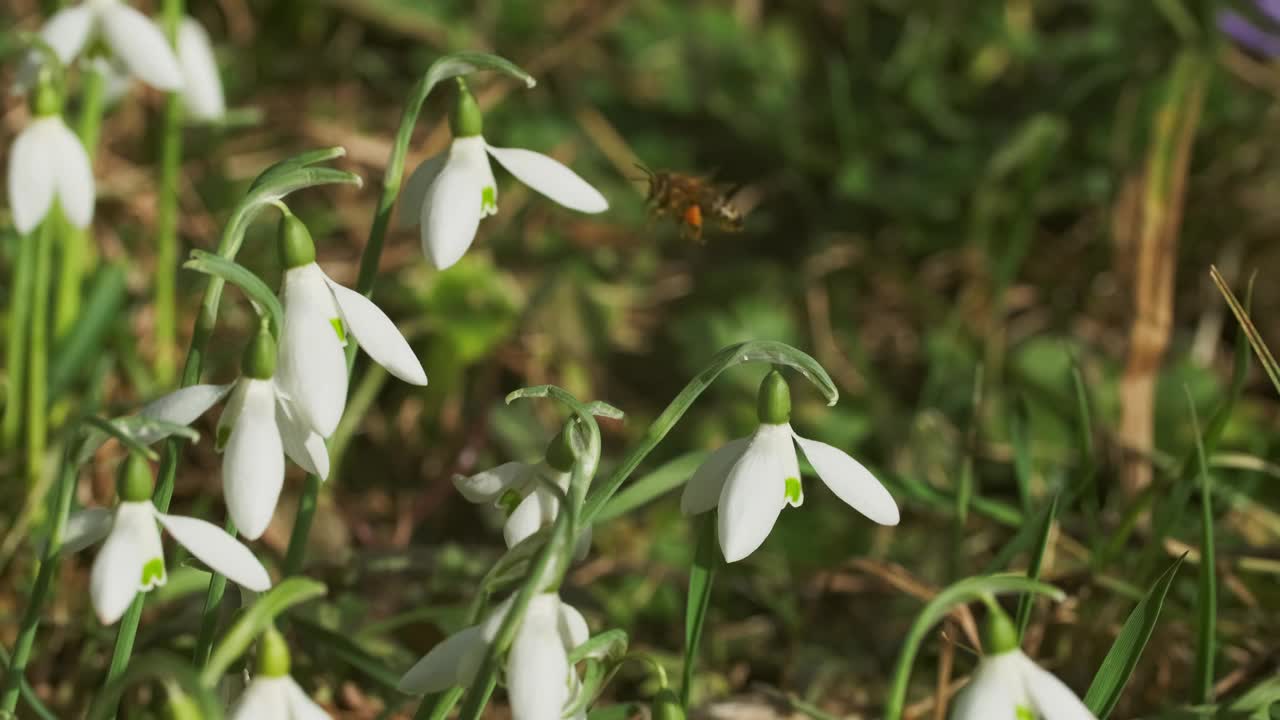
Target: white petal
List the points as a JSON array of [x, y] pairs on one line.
[[201, 83], [138, 518], [73, 177], [377, 335], [551, 178], [573, 628], [755, 491], [32, 166], [140, 44], [217, 549], [414, 192], [68, 30], [117, 571], [537, 665], [702, 491], [452, 663], [227, 420], [1049, 696], [537, 510], [850, 481], [253, 467], [302, 444], [264, 699], [85, 528], [489, 485], [455, 202], [301, 706], [181, 407], [993, 693], [313, 366]]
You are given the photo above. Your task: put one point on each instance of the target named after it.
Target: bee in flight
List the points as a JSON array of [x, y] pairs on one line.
[[691, 200]]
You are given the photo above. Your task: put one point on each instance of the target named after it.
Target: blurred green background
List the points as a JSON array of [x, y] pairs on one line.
[[938, 191]]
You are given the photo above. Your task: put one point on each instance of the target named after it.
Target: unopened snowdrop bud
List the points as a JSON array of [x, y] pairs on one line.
[[773, 404], [294, 242], [666, 706], [259, 359], [465, 120], [134, 482], [272, 694]]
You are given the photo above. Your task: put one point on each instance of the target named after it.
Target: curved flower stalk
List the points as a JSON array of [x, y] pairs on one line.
[[1008, 685], [202, 93], [131, 37], [259, 426], [750, 480], [540, 681], [132, 558], [48, 161], [273, 694], [318, 313], [450, 193]]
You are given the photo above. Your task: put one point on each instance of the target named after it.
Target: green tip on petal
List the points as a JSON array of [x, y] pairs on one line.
[[1024, 713], [666, 706], [259, 361], [774, 403], [273, 654], [134, 483], [509, 500], [294, 242], [794, 492], [466, 119], [560, 455], [153, 573], [1000, 635], [489, 199]]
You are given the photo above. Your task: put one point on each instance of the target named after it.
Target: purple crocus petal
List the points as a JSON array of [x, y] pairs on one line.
[[1270, 7], [1249, 35]]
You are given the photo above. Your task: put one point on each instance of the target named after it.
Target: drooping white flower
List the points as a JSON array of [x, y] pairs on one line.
[[1010, 686], [540, 681], [202, 93], [132, 558], [273, 694], [750, 480], [132, 37], [259, 426], [48, 161], [521, 489], [450, 193]]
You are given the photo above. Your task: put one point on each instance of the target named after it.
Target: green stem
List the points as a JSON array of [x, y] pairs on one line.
[[701, 577], [167, 216], [75, 246], [209, 618], [37, 378], [307, 503], [16, 340], [438, 710], [44, 581]]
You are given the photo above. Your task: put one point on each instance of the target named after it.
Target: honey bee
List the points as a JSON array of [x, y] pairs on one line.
[[691, 200]]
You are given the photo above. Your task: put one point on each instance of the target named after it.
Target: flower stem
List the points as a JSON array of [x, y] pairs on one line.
[[44, 581], [167, 216], [701, 577], [37, 378], [209, 618], [16, 340], [75, 246]]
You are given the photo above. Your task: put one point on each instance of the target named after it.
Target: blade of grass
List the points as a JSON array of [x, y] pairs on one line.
[[1207, 598], [1250, 330], [1027, 601]]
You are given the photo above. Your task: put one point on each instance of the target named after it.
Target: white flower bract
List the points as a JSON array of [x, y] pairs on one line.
[[132, 558], [318, 314], [751, 479], [48, 161], [133, 38], [276, 698], [1009, 686], [450, 193]]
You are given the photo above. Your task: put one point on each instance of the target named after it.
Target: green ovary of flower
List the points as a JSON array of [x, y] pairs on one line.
[[153, 572], [795, 491]]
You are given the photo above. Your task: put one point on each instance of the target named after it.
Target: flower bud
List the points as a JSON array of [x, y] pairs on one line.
[[134, 482], [273, 654], [259, 360], [466, 119], [560, 454], [774, 402], [999, 634], [294, 242], [666, 706]]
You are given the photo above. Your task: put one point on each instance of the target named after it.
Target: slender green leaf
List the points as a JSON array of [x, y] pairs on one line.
[[135, 432], [610, 644], [1045, 527], [157, 666], [82, 342], [254, 621], [1207, 598], [959, 593], [651, 486], [706, 558], [346, 648], [240, 276], [1122, 658], [1020, 438], [275, 175]]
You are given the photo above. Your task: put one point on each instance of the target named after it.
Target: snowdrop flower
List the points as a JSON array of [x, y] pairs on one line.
[[1008, 685], [272, 694], [49, 161], [132, 558], [131, 36], [522, 489], [258, 428], [751, 479], [540, 680], [201, 84], [318, 314], [451, 192]]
